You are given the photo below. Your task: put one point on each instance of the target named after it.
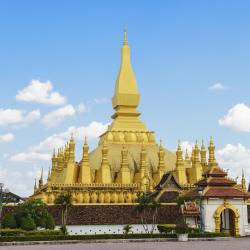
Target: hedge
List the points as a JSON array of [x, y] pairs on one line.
[[21, 232], [171, 228], [101, 237], [83, 237]]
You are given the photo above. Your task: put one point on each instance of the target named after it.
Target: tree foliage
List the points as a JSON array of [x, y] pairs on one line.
[[64, 201], [148, 210], [32, 213], [28, 223], [9, 221]]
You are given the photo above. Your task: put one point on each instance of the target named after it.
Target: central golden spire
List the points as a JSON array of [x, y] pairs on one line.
[[126, 90], [126, 126]]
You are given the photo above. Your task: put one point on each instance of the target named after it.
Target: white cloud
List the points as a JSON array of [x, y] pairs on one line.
[[22, 181], [7, 137], [217, 86], [81, 108], [55, 117], [187, 145], [41, 92], [44, 149], [237, 118], [15, 117], [30, 157], [93, 130], [101, 100], [235, 158]]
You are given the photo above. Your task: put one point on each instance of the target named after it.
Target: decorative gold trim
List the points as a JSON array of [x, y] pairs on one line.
[[217, 217]]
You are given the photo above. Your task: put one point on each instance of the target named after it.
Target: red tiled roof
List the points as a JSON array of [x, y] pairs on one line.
[[220, 181], [216, 181], [224, 192], [215, 172]]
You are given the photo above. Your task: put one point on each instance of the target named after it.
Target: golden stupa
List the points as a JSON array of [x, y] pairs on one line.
[[127, 161]]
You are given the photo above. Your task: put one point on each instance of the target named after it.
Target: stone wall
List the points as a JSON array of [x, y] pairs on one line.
[[109, 214]]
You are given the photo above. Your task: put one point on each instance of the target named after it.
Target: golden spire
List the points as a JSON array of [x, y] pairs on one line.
[[192, 155], [41, 179], [180, 168], [126, 91], [179, 158], [243, 182], [211, 149], [103, 174], [85, 153], [196, 153], [49, 175], [85, 175], [125, 42], [35, 186], [203, 154], [72, 149], [161, 156]]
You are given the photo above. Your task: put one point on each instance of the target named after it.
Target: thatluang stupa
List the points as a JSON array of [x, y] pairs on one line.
[[127, 161]]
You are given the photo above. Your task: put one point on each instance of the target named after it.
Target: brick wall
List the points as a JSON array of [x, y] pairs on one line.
[[109, 214]]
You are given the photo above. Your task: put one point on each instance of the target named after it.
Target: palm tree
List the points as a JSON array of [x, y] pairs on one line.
[[147, 208], [64, 201]]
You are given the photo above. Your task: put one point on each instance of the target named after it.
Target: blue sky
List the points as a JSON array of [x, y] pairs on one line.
[[191, 60]]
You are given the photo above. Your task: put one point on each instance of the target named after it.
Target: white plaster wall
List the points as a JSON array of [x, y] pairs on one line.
[[209, 207], [105, 229]]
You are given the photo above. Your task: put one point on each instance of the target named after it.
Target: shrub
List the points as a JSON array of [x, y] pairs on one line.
[[9, 221], [127, 229], [166, 228], [41, 222], [49, 222], [27, 223], [12, 232], [21, 232], [64, 230]]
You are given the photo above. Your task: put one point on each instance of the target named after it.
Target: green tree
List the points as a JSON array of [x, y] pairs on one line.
[[49, 222], [9, 221], [36, 209], [28, 223], [64, 201], [148, 210]]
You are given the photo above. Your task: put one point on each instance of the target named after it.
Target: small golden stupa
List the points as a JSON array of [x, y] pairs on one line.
[[127, 161]]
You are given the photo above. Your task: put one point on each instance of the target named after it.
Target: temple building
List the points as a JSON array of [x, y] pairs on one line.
[[127, 161]]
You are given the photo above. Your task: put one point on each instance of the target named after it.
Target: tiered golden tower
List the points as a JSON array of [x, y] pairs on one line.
[[127, 161]]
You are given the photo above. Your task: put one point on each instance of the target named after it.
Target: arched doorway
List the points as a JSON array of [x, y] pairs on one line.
[[227, 219]]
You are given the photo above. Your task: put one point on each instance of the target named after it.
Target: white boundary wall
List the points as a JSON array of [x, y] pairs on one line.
[[105, 229]]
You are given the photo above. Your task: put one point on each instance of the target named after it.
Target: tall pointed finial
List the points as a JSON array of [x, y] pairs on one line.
[[179, 145], [203, 153], [211, 149], [35, 186], [41, 179], [49, 175], [72, 137], [85, 140], [161, 158], [125, 41], [179, 159], [243, 182]]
